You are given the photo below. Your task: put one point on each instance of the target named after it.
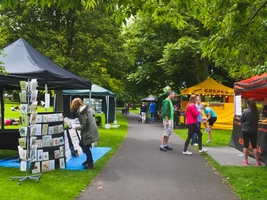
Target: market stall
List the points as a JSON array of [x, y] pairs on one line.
[[106, 114], [256, 88], [223, 109], [22, 62]]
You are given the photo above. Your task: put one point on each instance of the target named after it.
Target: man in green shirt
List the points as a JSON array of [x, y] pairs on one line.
[[167, 116]]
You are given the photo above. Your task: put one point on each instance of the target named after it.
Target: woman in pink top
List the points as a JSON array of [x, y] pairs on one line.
[[191, 114]]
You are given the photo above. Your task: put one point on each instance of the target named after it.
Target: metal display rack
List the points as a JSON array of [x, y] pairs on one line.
[[28, 149]]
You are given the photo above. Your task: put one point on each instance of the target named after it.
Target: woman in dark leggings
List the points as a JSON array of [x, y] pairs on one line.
[[249, 121], [191, 114]]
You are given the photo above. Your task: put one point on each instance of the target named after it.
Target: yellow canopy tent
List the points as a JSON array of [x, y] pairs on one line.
[[209, 87], [224, 110]]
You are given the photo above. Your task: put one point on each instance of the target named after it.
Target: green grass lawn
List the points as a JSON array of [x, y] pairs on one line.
[[16, 114], [247, 182]]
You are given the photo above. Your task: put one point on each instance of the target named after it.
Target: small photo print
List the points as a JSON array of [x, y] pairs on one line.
[[23, 108], [60, 117], [61, 140], [33, 118], [23, 154], [22, 142], [45, 129], [23, 131], [54, 117], [44, 118], [33, 85], [22, 97], [51, 130], [23, 85], [33, 130], [56, 153], [40, 155], [62, 163], [45, 166], [61, 151], [38, 129], [39, 143], [60, 128], [50, 118], [52, 164], [46, 155], [34, 95], [23, 165], [39, 119], [36, 168], [55, 141]]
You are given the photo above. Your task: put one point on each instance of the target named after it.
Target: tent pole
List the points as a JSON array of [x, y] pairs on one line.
[[55, 100], [90, 93], [2, 99], [115, 121], [107, 108], [45, 94], [107, 125]]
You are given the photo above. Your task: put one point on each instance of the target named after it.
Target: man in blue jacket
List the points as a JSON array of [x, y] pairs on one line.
[[152, 110]]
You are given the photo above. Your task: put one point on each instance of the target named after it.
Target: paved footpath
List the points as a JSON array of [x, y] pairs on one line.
[[140, 171]]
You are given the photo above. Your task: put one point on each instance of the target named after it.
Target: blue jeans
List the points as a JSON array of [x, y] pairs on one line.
[[152, 117], [194, 136]]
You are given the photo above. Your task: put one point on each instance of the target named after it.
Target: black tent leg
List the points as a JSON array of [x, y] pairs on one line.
[[2, 107]]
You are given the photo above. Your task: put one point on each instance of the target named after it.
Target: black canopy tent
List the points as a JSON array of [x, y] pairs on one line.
[[22, 62]]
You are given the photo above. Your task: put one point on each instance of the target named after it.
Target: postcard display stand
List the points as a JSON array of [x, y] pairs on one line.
[[41, 146]]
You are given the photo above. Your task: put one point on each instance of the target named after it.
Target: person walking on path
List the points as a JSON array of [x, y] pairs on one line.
[[199, 121], [191, 114], [211, 119], [176, 115], [143, 110], [152, 110], [249, 121], [167, 116], [88, 128]]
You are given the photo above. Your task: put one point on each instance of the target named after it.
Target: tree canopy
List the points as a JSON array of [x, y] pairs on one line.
[[167, 42]]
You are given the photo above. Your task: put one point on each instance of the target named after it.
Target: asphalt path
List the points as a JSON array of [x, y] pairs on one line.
[[140, 171]]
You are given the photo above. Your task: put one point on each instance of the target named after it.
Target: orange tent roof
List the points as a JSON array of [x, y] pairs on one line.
[[254, 87], [209, 87]]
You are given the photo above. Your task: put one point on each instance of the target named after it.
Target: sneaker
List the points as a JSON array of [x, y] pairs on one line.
[[245, 162], [208, 141], [258, 163], [206, 130], [162, 149], [168, 148], [187, 152], [85, 163], [195, 144], [89, 166], [203, 150]]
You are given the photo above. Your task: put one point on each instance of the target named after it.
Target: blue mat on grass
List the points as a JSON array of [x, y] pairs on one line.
[[75, 163]]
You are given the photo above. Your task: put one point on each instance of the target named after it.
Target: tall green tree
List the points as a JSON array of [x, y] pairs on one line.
[[146, 39], [238, 30], [85, 42]]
